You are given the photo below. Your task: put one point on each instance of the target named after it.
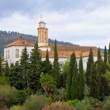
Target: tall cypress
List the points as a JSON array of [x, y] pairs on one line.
[[35, 55], [46, 65], [94, 83], [72, 82], [7, 69], [105, 55], [0, 65], [89, 67], [102, 81], [99, 57], [24, 63], [109, 54], [35, 68], [81, 79], [56, 66]]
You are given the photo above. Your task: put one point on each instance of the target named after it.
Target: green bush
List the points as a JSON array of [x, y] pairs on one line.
[[35, 102], [4, 80], [75, 103], [17, 107], [8, 94], [106, 105], [88, 104]]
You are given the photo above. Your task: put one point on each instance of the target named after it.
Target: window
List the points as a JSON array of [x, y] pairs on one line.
[[17, 53]]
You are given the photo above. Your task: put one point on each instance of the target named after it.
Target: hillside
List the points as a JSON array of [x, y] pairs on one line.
[[6, 37]]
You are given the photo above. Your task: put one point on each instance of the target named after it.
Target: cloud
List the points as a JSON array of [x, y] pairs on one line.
[[84, 22]]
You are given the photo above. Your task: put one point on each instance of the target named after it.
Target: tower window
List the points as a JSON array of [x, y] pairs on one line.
[[17, 53]]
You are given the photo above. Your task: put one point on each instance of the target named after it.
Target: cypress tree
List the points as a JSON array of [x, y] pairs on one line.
[[56, 67], [35, 69], [24, 57], [72, 85], [89, 67], [105, 55], [0, 65], [109, 54], [94, 83], [99, 57], [103, 87], [35, 55], [46, 65], [24, 63], [81, 79], [7, 69]]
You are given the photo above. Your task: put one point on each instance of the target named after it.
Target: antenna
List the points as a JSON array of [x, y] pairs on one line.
[[41, 17]]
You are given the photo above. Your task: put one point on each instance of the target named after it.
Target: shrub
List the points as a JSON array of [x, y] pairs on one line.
[[74, 103], [4, 80], [35, 102], [88, 104], [48, 84], [106, 105], [17, 107], [58, 106], [8, 94]]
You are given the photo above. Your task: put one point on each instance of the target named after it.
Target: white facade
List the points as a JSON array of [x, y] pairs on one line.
[[13, 54]]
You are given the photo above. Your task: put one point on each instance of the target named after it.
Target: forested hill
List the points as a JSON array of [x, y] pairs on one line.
[[6, 37]]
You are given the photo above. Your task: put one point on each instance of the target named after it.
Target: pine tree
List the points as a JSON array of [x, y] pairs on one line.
[[105, 55], [81, 79], [109, 54], [56, 67], [35, 69], [89, 67], [72, 82]]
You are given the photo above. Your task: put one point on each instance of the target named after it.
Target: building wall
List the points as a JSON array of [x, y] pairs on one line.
[[10, 53]]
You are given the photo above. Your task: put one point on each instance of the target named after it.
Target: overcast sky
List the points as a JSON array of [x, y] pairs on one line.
[[84, 22]]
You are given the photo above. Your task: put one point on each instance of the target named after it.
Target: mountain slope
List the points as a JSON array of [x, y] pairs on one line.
[[6, 37]]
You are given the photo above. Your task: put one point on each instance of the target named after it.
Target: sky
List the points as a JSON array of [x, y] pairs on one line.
[[83, 22]]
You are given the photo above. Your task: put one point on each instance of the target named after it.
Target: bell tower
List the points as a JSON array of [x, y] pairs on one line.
[[42, 34]]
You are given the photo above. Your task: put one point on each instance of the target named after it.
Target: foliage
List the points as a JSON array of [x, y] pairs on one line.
[[46, 65], [56, 67], [109, 54], [1, 68], [35, 102], [16, 76], [88, 104], [17, 107], [8, 94], [81, 80], [105, 55], [58, 106], [106, 105], [75, 103], [89, 68], [35, 69], [4, 80], [48, 83], [72, 79]]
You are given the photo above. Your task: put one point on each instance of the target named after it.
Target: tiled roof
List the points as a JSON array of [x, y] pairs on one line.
[[21, 42]]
